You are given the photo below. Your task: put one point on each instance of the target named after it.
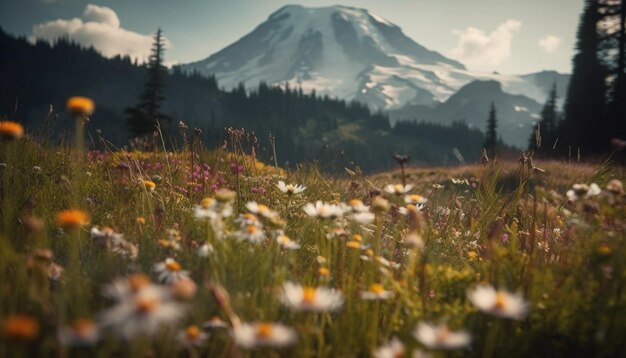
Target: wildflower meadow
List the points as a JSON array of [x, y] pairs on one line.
[[209, 252]]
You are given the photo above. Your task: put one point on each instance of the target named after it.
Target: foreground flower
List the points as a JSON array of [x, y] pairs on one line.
[[142, 308], [395, 349], [583, 191], [417, 200], [214, 323], [290, 189], [441, 337], [19, 328], [323, 210], [170, 271], [82, 332], [80, 106], [149, 185], [498, 303], [261, 209], [114, 242], [72, 219], [398, 189], [192, 336], [286, 243], [263, 334], [376, 292], [313, 299], [11, 130]]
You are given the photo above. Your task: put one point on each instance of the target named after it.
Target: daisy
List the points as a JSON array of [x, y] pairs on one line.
[[358, 206], [191, 336], [583, 191], [313, 299], [105, 237], [323, 210], [248, 219], [141, 312], [440, 336], [393, 349], [497, 302], [82, 332], [211, 208], [149, 185], [205, 250], [376, 292], [286, 243], [251, 233], [398, 189], [170, 271], [214, 322], [78, 105], [263, 334], [261, 209], [290, 189], [363, 217], [417, 200]]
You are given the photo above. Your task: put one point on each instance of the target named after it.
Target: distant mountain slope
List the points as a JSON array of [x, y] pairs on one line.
[[516, 113], [352, 53]]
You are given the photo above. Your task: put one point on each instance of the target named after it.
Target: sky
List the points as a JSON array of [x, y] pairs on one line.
[[508, 36]]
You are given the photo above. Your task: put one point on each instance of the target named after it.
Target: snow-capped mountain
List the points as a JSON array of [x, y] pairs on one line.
[[351, 54]]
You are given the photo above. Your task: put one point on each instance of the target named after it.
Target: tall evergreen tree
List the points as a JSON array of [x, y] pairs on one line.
[[143, 117], [585, 126], [547, 126], [616, 10], [491, 136]]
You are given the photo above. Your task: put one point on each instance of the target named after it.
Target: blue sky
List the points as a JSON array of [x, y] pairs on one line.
[[507, 36]]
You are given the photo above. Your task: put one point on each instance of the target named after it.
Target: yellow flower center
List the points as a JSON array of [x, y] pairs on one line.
[[146, 304], [377, 288], [353, 244], [283, 239], [323, 271], [263, 208], [398, 188], [192, 332], [264, 330], [308, 295], [20, 327], [80, 105], [207, 202], [138, 281], [500, 301], [251, 229], [355, 202], [172, 265], [250, 217]]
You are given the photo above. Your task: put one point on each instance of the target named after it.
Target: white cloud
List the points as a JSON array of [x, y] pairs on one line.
[[99, 26], [549, 43], [479, 49]]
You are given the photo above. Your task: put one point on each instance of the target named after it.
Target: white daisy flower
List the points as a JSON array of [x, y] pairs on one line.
[[261, 209], [398, 189], [142, 312], [290, 189], [214, 323], [415, 199], [170, 271], [113, 241], [210, 208], [251, 233], [123, 287], [376, 292], [262, 334], [248, 219], [393, 349], [441, 337], [191, 337], [583, 191], [497, 302], [205, 250], [362, 217], [358, 206], [312, 299], [323, 210], [286, 243]]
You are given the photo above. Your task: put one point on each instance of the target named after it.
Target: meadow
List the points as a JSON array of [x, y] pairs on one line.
[[208, 252]]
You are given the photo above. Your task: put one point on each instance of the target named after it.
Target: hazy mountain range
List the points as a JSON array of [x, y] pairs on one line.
[[353, 54]]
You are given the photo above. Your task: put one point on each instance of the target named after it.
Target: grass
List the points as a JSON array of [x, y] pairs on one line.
[[500, 224]]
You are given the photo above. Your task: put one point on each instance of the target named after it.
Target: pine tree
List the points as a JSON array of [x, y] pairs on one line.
[[617, 40], [491, 136], [143, 118], [584, 125]]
